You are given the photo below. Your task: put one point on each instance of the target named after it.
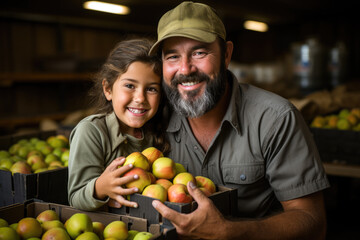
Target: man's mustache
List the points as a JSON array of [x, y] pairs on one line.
[[194, 77]]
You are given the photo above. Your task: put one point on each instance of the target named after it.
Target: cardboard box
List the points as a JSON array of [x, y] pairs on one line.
[[32, 208], [49, 186], [225, 199], [334, 145]]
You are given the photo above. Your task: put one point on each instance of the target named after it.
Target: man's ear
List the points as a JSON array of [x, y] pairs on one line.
[[107, 91], [228, 53]]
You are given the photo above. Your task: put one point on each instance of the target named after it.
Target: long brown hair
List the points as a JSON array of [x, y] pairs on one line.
[[125, 53]]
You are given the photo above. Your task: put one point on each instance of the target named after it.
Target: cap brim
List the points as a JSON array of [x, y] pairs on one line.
[[194, 34]]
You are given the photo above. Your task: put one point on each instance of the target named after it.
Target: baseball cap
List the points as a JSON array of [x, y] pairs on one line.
[[191, 20]]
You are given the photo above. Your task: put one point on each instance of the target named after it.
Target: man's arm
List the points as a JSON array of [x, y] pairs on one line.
[[303, 218]]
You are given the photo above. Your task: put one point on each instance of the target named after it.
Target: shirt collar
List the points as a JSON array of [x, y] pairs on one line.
[[231, 115], [113, 127]]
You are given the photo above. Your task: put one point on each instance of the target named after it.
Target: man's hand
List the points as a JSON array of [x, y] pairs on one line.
[[206, 222]]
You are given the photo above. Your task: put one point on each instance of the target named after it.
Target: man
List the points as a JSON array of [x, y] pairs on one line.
[[238, 136]]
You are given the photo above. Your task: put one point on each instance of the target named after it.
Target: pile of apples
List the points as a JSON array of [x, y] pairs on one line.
[[346, 119], [161, 178], [35, 155], [47, 226]]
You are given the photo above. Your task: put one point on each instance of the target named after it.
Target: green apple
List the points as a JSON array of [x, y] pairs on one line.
[[58, 152], [38, 165], [4, 154], [13, 150], [35, 152], [21, 167], [33, 238], [52, 224], [206, 185], [88, 236], [132, 234], [164, 168], [141, 182], [56, 163], [51, 158], [41, 170], [56, 233], [98, 228], [179, 193], [23, 151], [137, 159], [77, 224], [179, 168], [47, 215], [116, 229], [155, 191], [3, 223], [143, 236], [29, 227], [65, 155], [184, 178], [6, 163], [14, 225], [152, 153], [7, 233]]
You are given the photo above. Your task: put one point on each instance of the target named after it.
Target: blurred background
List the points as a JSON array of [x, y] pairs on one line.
[[308, 52]]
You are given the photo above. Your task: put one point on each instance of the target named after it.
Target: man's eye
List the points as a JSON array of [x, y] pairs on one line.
[[171, 57], [199, 54]]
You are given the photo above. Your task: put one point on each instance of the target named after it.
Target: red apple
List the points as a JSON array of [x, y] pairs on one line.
[[184, 178], [164, 168], [47, 215], [29, 227], [117, 230], [152, 177], [206, 185], [21, 167], [137, 159], [155, 191], [178, 193], [152, 154], [164, 182], [141, 182]]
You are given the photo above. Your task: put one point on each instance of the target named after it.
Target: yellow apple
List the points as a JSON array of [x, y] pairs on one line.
[[155, 191], [152, 153], [116, 229], [164, 167], [184, 178], [179, 193], [206, 185], [141, 182], [137, 159]]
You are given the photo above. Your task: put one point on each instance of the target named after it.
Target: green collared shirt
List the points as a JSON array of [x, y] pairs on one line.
[[263, 148], [94, 143]]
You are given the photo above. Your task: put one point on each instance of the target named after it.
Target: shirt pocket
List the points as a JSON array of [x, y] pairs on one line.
[[243, 174]]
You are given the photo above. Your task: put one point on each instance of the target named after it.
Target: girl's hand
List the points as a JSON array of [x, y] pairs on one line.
[[110, 184]]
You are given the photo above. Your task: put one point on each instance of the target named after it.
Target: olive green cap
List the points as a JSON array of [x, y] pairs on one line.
[[191, 20]]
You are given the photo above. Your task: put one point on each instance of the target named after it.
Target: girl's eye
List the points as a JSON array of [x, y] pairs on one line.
[[128, 85], [153, 89]]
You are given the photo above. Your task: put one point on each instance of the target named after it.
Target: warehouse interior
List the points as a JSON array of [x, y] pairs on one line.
[[50, 51]]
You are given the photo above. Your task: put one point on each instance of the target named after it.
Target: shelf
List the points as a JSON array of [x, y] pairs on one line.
[[9, 78]]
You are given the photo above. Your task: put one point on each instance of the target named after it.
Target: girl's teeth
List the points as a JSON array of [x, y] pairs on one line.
[[134, 110], [189, 83]]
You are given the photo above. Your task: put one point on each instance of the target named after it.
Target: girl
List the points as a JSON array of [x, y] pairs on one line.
[[127, 95]]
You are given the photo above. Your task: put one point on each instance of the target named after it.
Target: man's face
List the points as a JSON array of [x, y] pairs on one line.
[[193, 75]]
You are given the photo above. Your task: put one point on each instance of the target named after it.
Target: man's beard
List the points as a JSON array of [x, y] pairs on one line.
[[194, 106]]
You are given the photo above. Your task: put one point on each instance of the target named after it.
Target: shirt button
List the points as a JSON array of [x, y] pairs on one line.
[[243, 177], [195, 147]]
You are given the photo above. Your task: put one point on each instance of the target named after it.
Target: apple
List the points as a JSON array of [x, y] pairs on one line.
[[152, 177], [178, 193], [23, 151], [132, 234], [141, 182], [41, 170], [3, 223], [155, 191], [65, 155], [164, 167], [29, 227], [137, 159], [184, 178], [116, 229], [51, 158], [35, 152], [21, 167], [77, 224], [6, 163], [179, 168], [152, 153], [14, 225], [143, 236], [164, 182], [56, 163], [8, 233], [52, 224], [4, 154], [98, 228], [46, 149], [88, 236], [206, 185], [56, 233], [47, 215]]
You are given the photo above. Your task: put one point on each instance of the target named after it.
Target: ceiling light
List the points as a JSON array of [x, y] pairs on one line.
[[255, 26], [106, 7]]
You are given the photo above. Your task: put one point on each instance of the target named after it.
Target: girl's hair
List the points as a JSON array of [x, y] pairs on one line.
[[125, 53]]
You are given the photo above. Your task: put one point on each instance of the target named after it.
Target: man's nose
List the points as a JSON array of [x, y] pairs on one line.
[[186, 67]]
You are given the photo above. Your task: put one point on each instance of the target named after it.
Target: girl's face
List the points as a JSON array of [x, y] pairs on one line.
[[135, 96]]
